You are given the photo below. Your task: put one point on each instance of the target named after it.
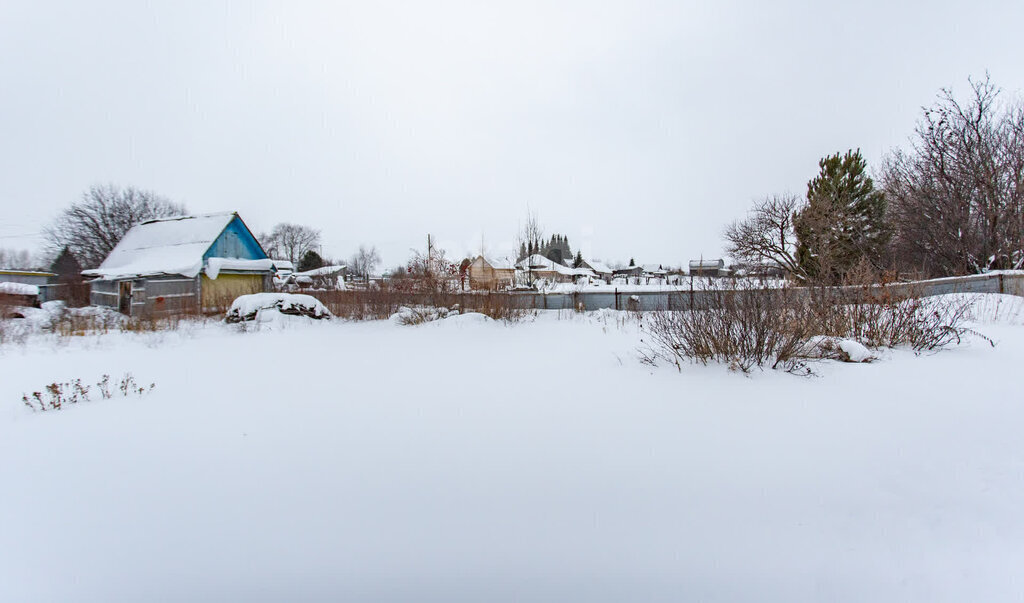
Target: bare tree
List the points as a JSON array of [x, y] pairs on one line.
[[92, 226], [432, 272], [16, 259], [957, 195], [530, 240], [766, 235], [290, 241], [364, 262]]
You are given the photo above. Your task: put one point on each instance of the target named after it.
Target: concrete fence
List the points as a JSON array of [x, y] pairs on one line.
[[684, 299]]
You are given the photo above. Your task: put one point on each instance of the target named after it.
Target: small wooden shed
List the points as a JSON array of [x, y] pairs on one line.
[[183, 264]]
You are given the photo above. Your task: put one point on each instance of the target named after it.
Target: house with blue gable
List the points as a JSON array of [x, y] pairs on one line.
[[182, 264]]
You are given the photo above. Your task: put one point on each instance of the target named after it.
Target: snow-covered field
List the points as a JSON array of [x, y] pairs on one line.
[[468, 460]]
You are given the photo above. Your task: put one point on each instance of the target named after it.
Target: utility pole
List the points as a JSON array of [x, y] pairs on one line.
[[430, 255]]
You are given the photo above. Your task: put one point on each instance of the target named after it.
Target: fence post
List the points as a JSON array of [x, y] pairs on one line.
[[1001, 283]]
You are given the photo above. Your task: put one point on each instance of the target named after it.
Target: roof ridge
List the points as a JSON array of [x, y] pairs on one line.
[[190, 217]]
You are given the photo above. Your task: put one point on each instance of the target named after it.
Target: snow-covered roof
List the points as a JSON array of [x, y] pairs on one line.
[[323, 271], [8, 288], [654, 268], [215, 265], [541, 263], [499, 263], [284, 264], [7, 272], [166, 246], [598, 267], [706, 264]]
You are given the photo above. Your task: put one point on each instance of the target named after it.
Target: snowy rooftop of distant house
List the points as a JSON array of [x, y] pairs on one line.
[[599, 267], [322, 271], [707, 264], [500, 263], [165, 246], [284, 264], [539, 262]]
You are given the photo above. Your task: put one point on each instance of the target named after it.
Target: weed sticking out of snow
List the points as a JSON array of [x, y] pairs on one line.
[[56, 396]]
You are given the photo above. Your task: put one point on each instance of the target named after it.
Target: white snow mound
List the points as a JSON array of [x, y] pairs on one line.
[[855, 351], [468, 318]]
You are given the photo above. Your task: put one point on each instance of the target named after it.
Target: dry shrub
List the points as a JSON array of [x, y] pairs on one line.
[[781, 327], [71, 323], [154, 324], [874, 310], [743, 329], [499, 306]]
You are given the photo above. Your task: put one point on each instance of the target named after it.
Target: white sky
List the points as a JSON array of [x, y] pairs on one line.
[[636, 128]]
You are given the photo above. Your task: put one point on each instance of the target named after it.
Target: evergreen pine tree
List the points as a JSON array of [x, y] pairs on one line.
[[66, 267], [631, 263], [578, 261], [310, 261], [844, 220]]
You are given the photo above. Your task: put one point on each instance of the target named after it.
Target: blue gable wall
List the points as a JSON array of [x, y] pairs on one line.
[[235, 242]]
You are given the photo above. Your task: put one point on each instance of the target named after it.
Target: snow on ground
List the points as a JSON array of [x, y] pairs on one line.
[[470, 460]]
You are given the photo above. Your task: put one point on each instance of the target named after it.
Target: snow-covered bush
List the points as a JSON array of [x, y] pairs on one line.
[[419, 314], [250, 307], [415, 315]]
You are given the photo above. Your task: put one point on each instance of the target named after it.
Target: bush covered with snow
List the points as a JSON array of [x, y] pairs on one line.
[[415, 315], [250, 307]]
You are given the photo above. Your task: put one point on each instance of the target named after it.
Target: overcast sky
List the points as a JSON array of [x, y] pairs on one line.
[[639, 129]]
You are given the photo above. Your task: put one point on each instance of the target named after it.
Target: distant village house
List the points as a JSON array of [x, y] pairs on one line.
[[491, 273], [708, 268]]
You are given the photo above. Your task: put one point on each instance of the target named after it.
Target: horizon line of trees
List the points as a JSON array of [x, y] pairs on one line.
[[951, 204]]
